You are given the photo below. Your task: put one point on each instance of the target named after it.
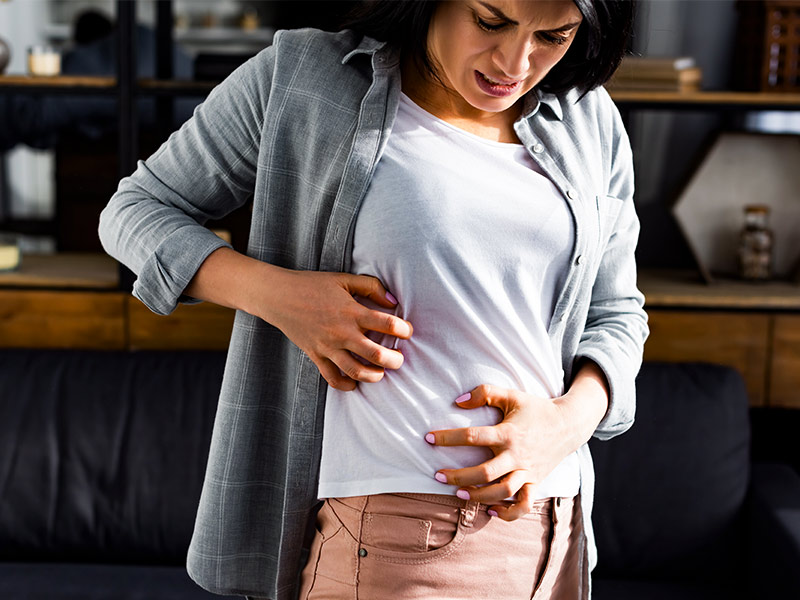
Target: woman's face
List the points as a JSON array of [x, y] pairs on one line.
[[492, 52]]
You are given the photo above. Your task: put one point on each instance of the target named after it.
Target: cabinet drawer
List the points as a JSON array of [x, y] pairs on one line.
[[784, 390], [203, 326], [50, 319], [739, 340]]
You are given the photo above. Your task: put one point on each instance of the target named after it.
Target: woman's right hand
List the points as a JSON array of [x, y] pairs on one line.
[[318, 312]]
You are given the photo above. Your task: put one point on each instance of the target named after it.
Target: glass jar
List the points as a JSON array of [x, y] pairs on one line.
[[755, 244]]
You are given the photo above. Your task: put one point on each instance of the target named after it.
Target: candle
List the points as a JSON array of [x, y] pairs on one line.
[[9, 253], [44, 61]]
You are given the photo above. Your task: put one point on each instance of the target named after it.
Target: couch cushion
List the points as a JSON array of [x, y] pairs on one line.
[[21, 581], [632, 589], [670, 491], [102, 454]]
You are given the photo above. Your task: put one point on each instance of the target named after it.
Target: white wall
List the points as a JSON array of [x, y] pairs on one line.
[[30, 173]]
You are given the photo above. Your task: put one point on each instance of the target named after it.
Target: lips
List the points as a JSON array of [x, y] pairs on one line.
[[493, 87]]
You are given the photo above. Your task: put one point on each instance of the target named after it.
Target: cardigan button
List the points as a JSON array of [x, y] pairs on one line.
[[538, 148], [571, 194], [579, 260]]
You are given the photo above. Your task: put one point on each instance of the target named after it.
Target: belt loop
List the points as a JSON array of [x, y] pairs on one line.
[[469, 512]]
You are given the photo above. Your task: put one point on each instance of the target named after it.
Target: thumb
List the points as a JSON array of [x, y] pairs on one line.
[[370, 287]]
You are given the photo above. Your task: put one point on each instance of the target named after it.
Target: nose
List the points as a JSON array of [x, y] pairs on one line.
[[514, 57]]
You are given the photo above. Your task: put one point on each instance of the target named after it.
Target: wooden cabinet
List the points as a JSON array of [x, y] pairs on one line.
[[201, 326], [107, 321], [784, 368], [753, 328], [740, 340], [88, 311], [55, 319]]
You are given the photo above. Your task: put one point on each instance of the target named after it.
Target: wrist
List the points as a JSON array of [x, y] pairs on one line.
[[585, 403], [262, 290]]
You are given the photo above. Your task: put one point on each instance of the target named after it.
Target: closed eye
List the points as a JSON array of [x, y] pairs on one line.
[[486, 26], [554, 38]]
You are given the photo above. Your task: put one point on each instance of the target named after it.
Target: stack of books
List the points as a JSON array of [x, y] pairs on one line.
[[664, 74]]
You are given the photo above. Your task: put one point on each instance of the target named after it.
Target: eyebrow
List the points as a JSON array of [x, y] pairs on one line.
[[501, 15]]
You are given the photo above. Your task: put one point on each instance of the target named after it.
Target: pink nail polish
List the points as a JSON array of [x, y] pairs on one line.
[[440, 477], [463, 494], [463, 398], [492, 513], [391, 298], [430, 438]]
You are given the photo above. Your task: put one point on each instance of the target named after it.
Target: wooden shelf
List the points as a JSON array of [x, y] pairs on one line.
[[754, 328], [685, 289], [59, 81], [176, 86], [64, 270], [86, 84], [705, 100]]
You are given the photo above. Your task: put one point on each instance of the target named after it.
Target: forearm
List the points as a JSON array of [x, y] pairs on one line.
[[234, 280], [585, 403]]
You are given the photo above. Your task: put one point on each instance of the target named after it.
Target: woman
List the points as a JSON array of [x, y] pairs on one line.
[[443, 229]]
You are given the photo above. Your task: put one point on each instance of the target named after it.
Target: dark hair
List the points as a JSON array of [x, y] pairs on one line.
[[594, 55]]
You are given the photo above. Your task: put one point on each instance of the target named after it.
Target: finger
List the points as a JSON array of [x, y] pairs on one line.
[[520, 508], [355, 369], [488, 395], [501, 490], [486, 435], [376, 354], [333, 376], [375, 320], [370, 287], [494, 469]]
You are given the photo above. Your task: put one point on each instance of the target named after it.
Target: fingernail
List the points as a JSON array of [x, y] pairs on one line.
[[463, 398], [430, 438], [391, 298], [492, 513], [440, 477]]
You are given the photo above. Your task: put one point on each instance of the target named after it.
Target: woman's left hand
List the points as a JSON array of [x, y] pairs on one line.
[[535, 435]]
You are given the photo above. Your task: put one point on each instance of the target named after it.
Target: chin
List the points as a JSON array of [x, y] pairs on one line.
[[494, 105]]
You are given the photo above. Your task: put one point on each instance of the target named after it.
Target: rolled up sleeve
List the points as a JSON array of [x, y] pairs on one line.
[[154, 223]]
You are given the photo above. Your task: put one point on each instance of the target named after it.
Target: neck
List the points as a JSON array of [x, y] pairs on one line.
[[439, 100]]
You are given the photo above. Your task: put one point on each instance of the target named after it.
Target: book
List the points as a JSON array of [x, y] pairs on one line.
[[656, 64], [688, 78]]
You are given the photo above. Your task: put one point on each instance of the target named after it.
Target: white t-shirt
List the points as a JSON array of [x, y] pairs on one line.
[[474, 242]]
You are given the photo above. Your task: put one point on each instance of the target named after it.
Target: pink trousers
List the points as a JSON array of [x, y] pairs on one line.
[[433, 547]]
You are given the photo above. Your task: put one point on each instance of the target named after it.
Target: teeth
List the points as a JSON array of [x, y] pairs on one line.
[[492, 81]]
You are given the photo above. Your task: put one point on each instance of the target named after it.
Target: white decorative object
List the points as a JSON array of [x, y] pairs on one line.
[[739, 170], [44, 61]]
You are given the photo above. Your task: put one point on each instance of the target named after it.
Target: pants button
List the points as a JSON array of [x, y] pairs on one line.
[[362, 553]]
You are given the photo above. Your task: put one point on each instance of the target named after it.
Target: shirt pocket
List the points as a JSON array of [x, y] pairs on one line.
[[608, 209]]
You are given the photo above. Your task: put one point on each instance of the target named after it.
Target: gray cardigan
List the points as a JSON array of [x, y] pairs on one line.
[[299, 128]]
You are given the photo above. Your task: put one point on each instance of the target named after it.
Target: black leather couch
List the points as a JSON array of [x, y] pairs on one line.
[[102, 456], [681, 510]]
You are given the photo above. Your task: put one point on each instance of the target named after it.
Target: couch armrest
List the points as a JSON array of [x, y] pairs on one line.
[[774, 544]]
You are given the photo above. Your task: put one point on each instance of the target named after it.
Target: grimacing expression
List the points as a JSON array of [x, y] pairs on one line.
[[492, 52]]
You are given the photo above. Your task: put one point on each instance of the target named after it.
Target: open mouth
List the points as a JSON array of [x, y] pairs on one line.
[[496, 88], [491, 81]]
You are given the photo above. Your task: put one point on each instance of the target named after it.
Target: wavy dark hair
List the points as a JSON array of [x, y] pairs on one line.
[[591, 60]]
